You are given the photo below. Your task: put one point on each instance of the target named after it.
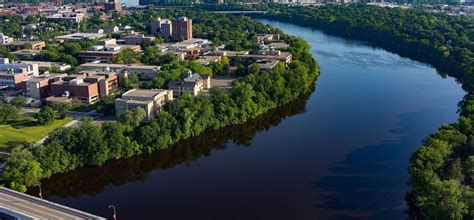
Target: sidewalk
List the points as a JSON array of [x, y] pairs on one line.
[[71, 123]]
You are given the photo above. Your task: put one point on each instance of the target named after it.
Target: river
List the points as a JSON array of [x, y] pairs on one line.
[[340, 153]]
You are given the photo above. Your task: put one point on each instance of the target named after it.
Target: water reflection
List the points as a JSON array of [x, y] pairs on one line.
[[366, 181], [94, 180]]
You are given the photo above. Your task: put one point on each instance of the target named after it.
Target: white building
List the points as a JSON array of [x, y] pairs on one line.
[[4, 39], [31, 69]]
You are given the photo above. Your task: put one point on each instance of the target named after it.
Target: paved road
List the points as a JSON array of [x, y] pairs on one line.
[[23, 205]]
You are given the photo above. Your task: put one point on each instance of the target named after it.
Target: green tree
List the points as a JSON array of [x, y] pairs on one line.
[[106, 105], [444, 201], [61, 110], [129, 82], [18, 101], [132, 117], [127, 56], [254, 69], [22, 169], [46, 115], [454, 170], [120, 145], [469, 164], [8, 112]]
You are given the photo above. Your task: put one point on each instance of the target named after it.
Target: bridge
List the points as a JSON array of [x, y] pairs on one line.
[[16, 205], [240, 12]]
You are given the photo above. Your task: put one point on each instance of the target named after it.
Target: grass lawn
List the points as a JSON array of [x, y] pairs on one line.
[[26, 131]]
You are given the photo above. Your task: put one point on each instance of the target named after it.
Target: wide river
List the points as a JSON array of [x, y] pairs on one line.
[[340, 153]]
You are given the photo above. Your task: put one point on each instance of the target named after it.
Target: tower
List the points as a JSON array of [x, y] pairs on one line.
[[182, 29]]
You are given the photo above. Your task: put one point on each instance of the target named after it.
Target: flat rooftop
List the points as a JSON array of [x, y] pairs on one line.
[[112, 65], [45, 77], [23, 206], [26, 52], [142, 93], [80, 36], [44, 63]]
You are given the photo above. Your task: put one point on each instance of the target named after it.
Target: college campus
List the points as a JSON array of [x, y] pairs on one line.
[[106, 73], [215, 109]]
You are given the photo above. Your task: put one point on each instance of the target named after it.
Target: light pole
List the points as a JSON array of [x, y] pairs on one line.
[[40, 193], [115, 214]]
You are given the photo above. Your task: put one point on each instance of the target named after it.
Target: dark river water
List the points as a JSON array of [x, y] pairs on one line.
[[340, 153]]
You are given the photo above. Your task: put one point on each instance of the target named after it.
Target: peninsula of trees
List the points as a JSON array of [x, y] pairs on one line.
[[253, 94]]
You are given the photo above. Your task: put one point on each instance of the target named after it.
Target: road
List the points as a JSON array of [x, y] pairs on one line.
[[24, 206]]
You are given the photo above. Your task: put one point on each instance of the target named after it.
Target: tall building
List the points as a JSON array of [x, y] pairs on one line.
[[182, 29], [162, 26], [110, 5], [166, 28], [155, 25]]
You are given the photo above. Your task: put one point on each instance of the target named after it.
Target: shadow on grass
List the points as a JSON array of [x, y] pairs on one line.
[[25, 124], [8, 146]]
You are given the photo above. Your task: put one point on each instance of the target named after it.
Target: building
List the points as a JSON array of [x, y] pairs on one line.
[[107, 81], [111, 29], [60, 66], [135, 38], [191, 84], [33, 45], [4, 39], [26, 53], [106, 54], [96, 31], [166, 28], [10, 79], [285, 57], [266, 64], [206, 60], [107, 41], [76, 90], [40, 87], [152, 101], [262, 38], [79, 36], [31, 69], [187, 49], [155, 26], [182, 29], [76, 17], [144, 72], [113, 5], [162, 26]]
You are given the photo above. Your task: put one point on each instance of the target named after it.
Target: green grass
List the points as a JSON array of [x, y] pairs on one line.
[[26, 131]]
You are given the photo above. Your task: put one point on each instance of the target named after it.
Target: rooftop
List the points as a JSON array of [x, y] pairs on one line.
[[111, 65], [142, 93], [80, 36]]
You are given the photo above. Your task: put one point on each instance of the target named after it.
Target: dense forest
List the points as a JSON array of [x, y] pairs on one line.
[[250, 96], [442, 169]]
